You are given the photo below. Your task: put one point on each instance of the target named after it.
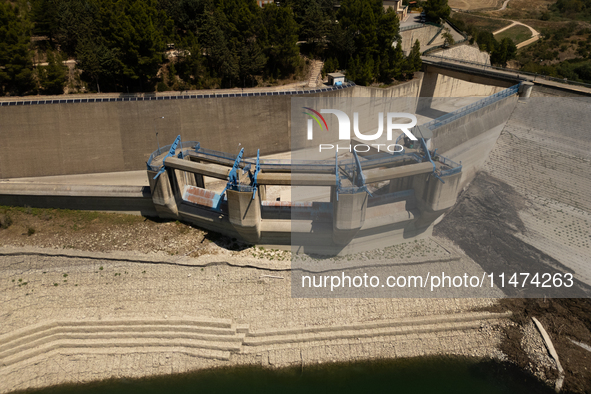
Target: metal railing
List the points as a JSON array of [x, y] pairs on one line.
[[418, 26], [383, 160], [443, 46], [347, 165], [482, 71], [435, 36], [453, 26], [454, 167], [123, 98], [155, 165], [450, 117]]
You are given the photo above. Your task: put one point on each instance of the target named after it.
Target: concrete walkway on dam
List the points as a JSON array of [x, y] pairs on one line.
[[123, 178], [487, 69], [292, 88]]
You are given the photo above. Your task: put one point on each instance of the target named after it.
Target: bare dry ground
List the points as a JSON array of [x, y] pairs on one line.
[[111, 232], [522, 9], [484, 224], [474, 4]]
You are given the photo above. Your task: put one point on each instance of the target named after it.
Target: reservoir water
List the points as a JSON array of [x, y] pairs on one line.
[[418, 375]]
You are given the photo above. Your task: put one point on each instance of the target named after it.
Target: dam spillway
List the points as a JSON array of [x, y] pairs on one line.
[[371, 199]]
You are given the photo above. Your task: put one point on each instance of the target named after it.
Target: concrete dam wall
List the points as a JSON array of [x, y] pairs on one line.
[[119, 136], [424, 34], [439, 85], [91, 137], [415, 188], [470, 138]]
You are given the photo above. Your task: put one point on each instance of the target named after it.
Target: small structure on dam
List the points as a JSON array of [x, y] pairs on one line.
[[374, 198]]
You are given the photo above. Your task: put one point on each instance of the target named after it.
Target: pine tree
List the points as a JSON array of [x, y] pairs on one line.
[[190, 62], [251, 62], [388, 28], [397, 61], [74, 19], [373, 31], [44, 16], [413, 61], [341, 45], [16, 66], [353, 69], [436, 10], [97, 62], [282, 30], [219, 57], [52, 77], [129, 30], [448, 37], [363, 71], [503, 52], [314, 23], [415, 56], [186, 14]]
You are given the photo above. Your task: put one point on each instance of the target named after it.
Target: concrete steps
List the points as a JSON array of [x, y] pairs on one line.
[[208, 338], [260, 340], [204, 338], [315, 73], [221, 350], [344, 337]]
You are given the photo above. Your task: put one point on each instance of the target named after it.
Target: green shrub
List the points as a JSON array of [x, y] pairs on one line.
[[162, 87], [5, 220]]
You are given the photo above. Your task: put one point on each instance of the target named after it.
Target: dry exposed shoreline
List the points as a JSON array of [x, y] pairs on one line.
[[72, 288], [176, 277]]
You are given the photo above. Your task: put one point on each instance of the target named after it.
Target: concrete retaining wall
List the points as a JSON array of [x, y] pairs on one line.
[[64, 139], [470, 138], [423, 34], [124, 199], [545, 89], [438, 85], [464, 52]]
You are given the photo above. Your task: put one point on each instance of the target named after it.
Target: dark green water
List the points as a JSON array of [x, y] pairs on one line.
[[419, 375]]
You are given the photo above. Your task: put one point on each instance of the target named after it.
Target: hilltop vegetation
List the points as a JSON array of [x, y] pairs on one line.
[[571, 9], [143, 45], [561, 53], [564, 47], [501, 51]]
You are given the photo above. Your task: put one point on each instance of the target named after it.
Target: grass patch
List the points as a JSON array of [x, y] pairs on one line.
[[516, 33], [78, 218], [5, 220], [485, 24]]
